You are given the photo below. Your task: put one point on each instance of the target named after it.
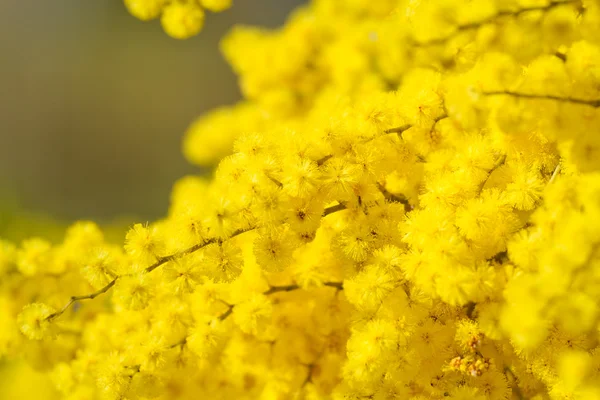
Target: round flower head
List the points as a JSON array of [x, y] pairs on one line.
[[182, 20], [144, 244], [33, 320], [145, 9]]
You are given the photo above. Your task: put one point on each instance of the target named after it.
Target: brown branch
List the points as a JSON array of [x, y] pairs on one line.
[[561, 56], [275, 181], [337, 285], [309, 373], [158, 263], [396, 198], [499, 257], [83, 297], [514, 385], [398, 129], [441, 117], [470, 309], [591, 103], [323, 160], [500, 162], [277, 289], [171, 257], [436, 120], [272, 290], [494, 18], [227, 313], [333, 209], [289, 288], [165, 259], [192, 249], [182, 343]]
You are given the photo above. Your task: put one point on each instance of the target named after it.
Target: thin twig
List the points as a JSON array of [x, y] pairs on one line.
[[165, 259], [285, 288], [311, 368], [591, 103], [323, 160], [493, 18], [192, 249], [515, 387], [500, 162], [227, 313], [272, 290], [182, 343], [398, 129], [396, 198], [333, 209], [275, 181], [337, 285], [171, 257], [83, 297], [555, 173]]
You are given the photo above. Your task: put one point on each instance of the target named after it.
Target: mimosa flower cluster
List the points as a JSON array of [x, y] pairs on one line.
[[406, 205]]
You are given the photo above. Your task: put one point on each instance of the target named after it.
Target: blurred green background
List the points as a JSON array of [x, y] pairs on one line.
[[94, 104]]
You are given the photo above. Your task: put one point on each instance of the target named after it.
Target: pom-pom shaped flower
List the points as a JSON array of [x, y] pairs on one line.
[[144, 244], [33, 320], [253, 314]]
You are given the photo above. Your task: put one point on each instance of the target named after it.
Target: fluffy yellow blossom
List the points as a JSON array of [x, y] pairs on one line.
[[133, 292], [99, 268], [33, 320], [144, 244], [369, 287], [404, 205], [274, 248], [252, 315], [206, 338], [34, 256]]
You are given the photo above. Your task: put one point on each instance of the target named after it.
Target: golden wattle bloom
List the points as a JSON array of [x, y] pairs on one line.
[[405, 205]]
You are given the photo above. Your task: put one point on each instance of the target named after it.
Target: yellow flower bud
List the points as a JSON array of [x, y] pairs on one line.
[[182, 20], [145, 9]]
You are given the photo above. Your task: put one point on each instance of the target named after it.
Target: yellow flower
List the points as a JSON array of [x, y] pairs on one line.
[[145, 9], [404, 205], [273, 249], [34, 256], [33, 320], [144, 244], [254, 314], [182, 20]]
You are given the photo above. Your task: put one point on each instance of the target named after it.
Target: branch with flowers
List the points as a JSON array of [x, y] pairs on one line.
[[386, 219]]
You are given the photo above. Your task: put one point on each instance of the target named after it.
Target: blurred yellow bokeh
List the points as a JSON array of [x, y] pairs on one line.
[[19, 381]]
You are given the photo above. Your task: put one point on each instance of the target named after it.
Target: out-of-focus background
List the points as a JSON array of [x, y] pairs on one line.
[[94, 104]]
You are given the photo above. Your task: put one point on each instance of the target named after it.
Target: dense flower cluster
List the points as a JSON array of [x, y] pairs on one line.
[[406, 207]]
